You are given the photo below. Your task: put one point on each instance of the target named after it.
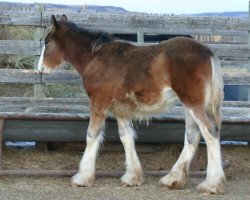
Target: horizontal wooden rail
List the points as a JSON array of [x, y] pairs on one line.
[[72, 128], [229, 64], [235, 52], [78, 109], [66, 120], [20, 47], [239, 119], [20, 76], [129, 23], [99, 173], [28, 47], [49, 101], [72, 77]]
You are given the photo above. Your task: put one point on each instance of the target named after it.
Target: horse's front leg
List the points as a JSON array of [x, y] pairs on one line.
[[86, 173], [134, 173]]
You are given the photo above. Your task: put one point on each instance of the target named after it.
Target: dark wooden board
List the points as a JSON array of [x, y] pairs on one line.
[[73, 131]]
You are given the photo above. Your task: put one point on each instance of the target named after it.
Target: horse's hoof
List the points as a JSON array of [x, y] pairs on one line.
[[174, 180], [207, 188], [80, 180], [125, 185], [135, 179], [73, 185]]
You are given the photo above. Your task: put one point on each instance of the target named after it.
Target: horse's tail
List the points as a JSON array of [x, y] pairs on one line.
[[215, 94]]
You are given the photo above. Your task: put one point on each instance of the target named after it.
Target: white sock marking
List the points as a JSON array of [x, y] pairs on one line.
[[133, 166], [40, 62]]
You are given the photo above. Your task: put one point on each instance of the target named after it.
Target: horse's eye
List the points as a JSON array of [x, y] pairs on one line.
[[46, 42]]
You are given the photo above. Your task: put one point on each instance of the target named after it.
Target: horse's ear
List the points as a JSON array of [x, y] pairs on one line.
[[63, 18], [54, 23]]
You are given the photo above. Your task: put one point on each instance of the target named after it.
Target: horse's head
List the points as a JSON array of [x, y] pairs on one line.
[[52, 54]]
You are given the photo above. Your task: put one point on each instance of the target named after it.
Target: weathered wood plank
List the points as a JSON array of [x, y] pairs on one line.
[[20, 47], [146, 22], [42, 101], [237, 52], [176, 113], [237, 79], [62, 76], [225, 63], [72, 77], [68, 102], [228, 63], [27, 47], [20, 18], [8, 14], [45, 109], [230, 109], [98, 173], [70, 124], [236, 104], [59, 109], [154, 22], [20, 76]]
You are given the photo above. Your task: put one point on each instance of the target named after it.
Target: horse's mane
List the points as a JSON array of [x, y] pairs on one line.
[[97, 38]]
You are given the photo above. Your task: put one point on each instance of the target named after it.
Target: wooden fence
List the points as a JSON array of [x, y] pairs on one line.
[[232, 56]]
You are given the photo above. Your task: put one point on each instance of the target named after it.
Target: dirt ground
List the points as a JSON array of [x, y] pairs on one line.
[[111, 157]]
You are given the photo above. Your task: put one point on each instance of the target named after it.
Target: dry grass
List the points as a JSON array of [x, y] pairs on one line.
[[16, 32], [239, 158], [153, 157], [65, 90], [17, 90], [17, 62]]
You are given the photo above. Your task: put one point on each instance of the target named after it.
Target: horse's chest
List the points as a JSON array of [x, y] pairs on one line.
[[132, 107]]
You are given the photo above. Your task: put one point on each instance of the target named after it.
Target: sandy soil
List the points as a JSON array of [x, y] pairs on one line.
[[156, 157], [109, 188]]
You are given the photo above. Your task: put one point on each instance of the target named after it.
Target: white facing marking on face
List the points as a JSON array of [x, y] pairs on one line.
[[40, 62]]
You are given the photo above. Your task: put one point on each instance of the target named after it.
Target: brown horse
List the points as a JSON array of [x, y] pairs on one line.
[[133, 82]]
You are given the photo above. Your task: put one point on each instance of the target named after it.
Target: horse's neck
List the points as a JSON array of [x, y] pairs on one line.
[[80, 55]]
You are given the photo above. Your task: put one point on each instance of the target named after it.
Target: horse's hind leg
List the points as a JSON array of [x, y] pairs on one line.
[[86, 173], [209, 125], [178, 175], [134, 173]]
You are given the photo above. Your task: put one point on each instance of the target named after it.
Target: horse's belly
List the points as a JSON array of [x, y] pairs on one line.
[[132, 108]]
